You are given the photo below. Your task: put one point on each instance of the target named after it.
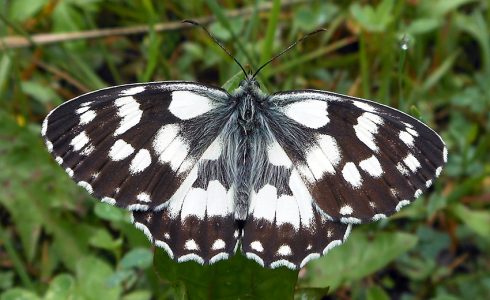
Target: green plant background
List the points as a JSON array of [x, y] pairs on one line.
[[430, 58]]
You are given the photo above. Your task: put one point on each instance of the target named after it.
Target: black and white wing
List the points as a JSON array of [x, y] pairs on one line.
[[360, 161], [151, 149], [284, 225]]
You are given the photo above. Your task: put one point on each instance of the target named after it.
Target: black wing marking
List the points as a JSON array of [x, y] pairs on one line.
[[361, 161]]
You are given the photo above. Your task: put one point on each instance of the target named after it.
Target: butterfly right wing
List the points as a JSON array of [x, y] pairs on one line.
[[284, 226], [361, 161]]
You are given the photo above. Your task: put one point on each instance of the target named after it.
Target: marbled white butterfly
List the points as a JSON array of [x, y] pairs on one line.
[[282, 177]]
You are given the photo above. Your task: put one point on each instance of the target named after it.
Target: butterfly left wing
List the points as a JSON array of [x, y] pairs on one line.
[[197, 223], [133, 145], [361, 161], [151, 149]]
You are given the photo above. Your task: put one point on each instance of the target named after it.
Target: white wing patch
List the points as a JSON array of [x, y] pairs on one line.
[[219, 201], [407, 138], [351, 175], [411, 162], [264, 203], [364, 106], [218, 244], [133, 91], [318, 162], [186, 105], [164, 136], [120, 150], [175, 153], [129, 111], [366, 128], [194, 204], [87, 116], [213, 152], [287, 212], [309, 113], [144, 197], [277, 156], [372, 166], [303, 198], [79, 141], [140, 162]]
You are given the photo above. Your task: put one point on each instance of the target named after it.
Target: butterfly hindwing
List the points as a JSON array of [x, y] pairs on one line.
[[197, 223], [360, 160], [134, 145], [284, 226]]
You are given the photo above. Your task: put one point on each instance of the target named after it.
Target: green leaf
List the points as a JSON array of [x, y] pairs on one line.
[[431, 242], [223, 33], [310, 293], [119, 277], [308, 19], [237, 277], [373, 19], [5, 69], [423, 25], [438, 8], [478, 221], [359, 253], [109, 212], [138, 295], [21, 10], [61, 287], [476, 26], [439, 72], [137, 258], [92, 274], [19, 294], [101, 238], [233, 82], [377, 293], [272, 20], [66, 17], [38, 91], [6, 280]]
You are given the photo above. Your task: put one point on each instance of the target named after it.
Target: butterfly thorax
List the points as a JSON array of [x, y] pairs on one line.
[[247, 97]]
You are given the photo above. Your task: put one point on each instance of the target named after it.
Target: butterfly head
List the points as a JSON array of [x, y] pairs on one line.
[[249, 83], [249, 88]]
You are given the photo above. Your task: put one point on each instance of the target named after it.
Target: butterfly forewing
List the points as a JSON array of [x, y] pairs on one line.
[[134, 145], [361, 161]]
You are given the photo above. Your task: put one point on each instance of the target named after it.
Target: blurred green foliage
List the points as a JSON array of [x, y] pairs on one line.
[[430, 58]]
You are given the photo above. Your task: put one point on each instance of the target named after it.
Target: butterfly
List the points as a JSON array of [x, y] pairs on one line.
[[204, 172]]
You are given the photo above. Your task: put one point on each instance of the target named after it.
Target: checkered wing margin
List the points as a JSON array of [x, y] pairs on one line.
[[360, 161]]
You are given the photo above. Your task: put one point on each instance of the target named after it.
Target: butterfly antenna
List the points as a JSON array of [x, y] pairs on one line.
[[216, 41], [287, 49]]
